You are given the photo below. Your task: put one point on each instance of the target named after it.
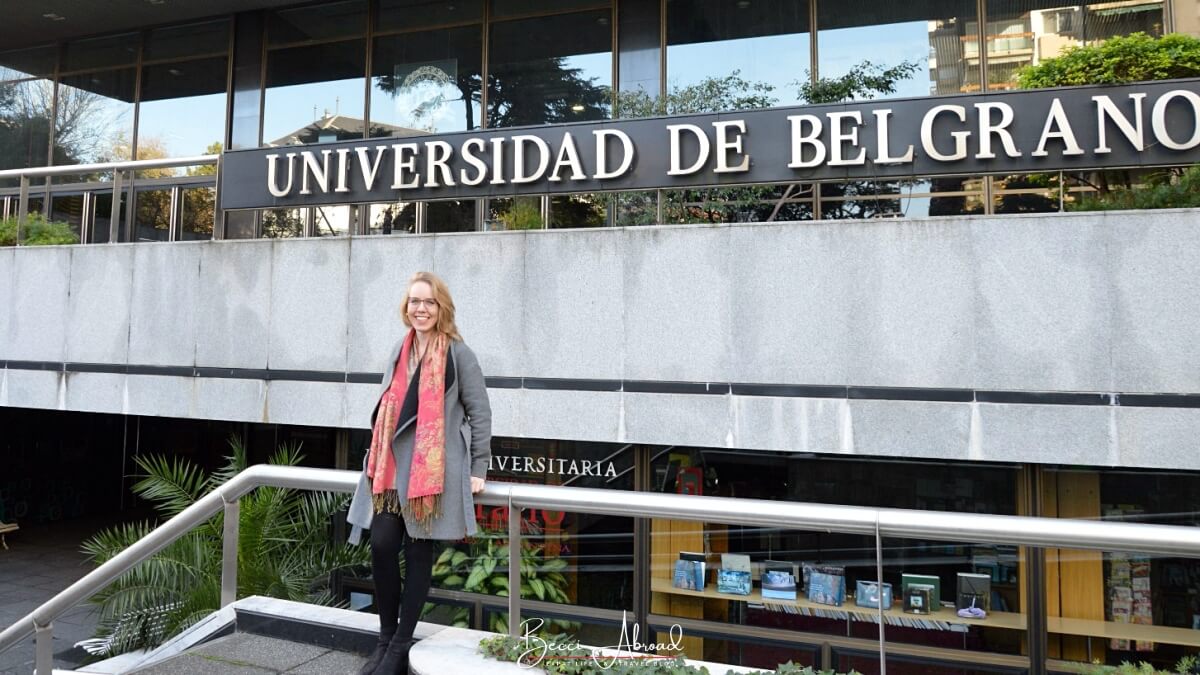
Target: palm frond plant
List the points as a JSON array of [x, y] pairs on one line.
[[284, 551]]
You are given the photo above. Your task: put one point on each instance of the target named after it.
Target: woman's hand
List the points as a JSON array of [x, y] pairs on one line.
[[476, 484]]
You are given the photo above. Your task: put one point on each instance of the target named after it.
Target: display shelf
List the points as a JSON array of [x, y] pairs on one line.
[[1187, 637], [943, 619], [946, 619]]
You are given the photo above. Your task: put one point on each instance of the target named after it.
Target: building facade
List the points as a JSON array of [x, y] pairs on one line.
[[944, 342]]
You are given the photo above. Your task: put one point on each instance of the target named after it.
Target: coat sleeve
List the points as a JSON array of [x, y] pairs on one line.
[[473, 393]]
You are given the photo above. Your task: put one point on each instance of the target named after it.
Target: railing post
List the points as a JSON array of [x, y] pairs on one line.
[[114, 221], [22, 208], [229, 552], [514, 567], [879, 589], [43, 659]]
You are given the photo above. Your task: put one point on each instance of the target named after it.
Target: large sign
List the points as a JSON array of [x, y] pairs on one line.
[[1148, 124]]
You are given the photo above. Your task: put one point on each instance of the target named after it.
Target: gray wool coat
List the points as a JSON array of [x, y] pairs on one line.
[[468, 451]]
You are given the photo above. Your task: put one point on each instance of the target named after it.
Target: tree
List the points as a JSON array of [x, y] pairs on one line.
[[1119, 60], [768, 202], [284, 551]]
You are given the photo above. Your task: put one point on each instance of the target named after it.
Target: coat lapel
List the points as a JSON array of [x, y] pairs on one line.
[[387, 377]]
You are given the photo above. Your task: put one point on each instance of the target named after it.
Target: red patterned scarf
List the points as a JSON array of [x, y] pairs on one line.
[[428, 469]]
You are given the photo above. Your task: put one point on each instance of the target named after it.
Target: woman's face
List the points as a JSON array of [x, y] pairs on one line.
[[422, 307]]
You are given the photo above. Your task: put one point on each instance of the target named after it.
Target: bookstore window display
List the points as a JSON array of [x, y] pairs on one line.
[[1130, 595], [935, 594]]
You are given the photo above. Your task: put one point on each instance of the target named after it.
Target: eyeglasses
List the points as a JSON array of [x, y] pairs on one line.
[[429, 303]]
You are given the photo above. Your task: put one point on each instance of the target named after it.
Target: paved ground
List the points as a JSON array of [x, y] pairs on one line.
[[246, 654], [40, 562]]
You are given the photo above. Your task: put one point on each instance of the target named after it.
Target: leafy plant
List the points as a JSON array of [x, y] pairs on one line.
[[518, 650], [284, 551], [1118, 60], [37, 232], [1167, 189], [483, 568], [1186, 666], [524, 214]]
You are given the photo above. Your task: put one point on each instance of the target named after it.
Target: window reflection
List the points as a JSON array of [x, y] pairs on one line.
[[926, 34], [101, 228], [427, 82], [395, 218], [566, 76], [1025, 32], [152, 216], [195, 39], [320, 22], [410, 14], [95, 117], [27, 63], [579, 210], [24, 125], [102, 52], [451, 215], [282, 223], [182, 110], [765, 43], [199, 208], [68, 209], [334, 221], [314, 94]]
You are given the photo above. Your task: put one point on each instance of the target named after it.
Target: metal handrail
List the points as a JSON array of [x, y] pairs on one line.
[[1169, 540], [126, 165]]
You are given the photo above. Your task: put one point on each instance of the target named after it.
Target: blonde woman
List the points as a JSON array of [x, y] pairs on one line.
[[430, 448]]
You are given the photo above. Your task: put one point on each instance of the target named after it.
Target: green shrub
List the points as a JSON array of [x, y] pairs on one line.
[[1162, 190], [1119, 60], [37, 232]]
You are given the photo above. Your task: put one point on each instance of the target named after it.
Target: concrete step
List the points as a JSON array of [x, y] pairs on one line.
[[250, 654]]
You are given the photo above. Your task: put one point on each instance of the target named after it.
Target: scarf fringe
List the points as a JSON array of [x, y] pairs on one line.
[[387, 501], [423, 511]]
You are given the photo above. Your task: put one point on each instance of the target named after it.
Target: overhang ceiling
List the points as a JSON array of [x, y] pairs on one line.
[[24, 23]]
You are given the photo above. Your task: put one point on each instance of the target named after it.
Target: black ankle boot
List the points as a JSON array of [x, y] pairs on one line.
[[376, 656], [395, 661]]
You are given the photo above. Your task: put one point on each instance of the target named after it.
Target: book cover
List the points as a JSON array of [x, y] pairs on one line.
[[700, 567], [689, 575], [907, 580], [734, 575], [866, 594], [827, 585], [974, 590], [778, 580]]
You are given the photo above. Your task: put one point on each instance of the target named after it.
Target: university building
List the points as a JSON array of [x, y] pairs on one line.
[[681, 270]]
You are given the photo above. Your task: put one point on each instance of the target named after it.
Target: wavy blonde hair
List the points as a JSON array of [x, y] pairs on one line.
[[441, 293]]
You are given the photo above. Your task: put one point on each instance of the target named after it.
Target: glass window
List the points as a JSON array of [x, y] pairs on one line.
[[334, 221], [564, 76], [283, 223], [26, 63], [241, 224], [25, 111], [925, 39], [152, 217], [844, 559], [104, 52], [68, 209], [503, 8], [319, 22], [427, 82], [752, 203], [396, 218], [199, 208], [101, 230], [579, 210], [314, 94], [763, 44], [182, 111], [210, 37], [451, 215], [514, 213], [397, 15], [95, 117]]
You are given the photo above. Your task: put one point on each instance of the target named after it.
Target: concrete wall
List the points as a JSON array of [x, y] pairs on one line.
[[1105, 303]]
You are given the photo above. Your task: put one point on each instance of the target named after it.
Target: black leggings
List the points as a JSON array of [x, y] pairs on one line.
[[397, 615]]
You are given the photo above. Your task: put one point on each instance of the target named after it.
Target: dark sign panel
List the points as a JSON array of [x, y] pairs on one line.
[[1149, 124]]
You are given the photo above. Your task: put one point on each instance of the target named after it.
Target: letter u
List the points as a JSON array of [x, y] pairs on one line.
[[272, 175]]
